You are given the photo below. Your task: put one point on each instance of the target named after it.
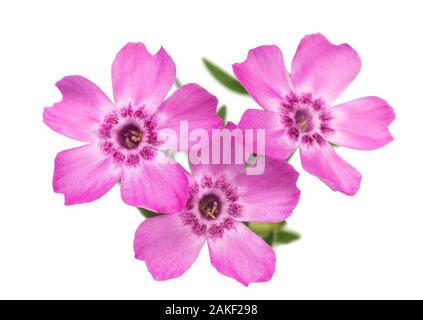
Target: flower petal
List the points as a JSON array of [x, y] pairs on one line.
[[242, 255], [215, 171], [141, 79], [271, 196], [323, 162], [323, 69], [193, 105], [362, 123], [277, 143], [79, 113], [224, 154], [155, 185], [83, 174], [264, 76], [167, 246]]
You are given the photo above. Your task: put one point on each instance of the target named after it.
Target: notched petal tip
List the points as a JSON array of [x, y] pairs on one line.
[[263, 47], [142, 78], [390, 117], [362, 124], [323, 68], [341, 46], [254, 51], [80, 109], [142, 47], [264, 76]]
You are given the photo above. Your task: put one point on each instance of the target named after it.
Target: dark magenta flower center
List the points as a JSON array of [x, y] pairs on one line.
[[210, 206], [307, 120], [130, 136], [304, 121]]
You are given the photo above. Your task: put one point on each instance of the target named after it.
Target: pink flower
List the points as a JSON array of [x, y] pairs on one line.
[[123, 141], [221, 197], [299, 113]]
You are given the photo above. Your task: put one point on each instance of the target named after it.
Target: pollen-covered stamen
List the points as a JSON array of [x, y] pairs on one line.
[[132, 139], [210, 206], [304, 121], [130, 136]]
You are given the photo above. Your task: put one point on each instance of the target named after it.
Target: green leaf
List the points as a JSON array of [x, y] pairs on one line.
[[147, 213], [178, 83], [264, 229], [286, 237], [270, 239], [274, 233], [224, 77], [222, 113]]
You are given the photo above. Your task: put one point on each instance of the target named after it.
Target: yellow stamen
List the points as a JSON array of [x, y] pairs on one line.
[[136, 138], [132, 138], [211, 212], [302, 125]]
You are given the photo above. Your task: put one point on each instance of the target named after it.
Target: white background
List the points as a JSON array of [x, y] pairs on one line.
[[368, 246]]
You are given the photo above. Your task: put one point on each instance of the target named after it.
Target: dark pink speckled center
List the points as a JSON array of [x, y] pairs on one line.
[[211, 207], [128, 136], [306, 119]]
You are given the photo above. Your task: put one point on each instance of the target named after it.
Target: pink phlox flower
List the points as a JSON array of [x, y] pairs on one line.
[[123, 137], [299, 113], [221, 198]]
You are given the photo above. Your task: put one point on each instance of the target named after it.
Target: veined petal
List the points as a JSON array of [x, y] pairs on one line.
[[190, 104], [264, 76], [224, 154], [362, 123], [242, 255], [155, 185], [141, 79], [323, 162], [323, 69], [167, 246], [83, 174], [277, 143], [271, 196], [80, 112]]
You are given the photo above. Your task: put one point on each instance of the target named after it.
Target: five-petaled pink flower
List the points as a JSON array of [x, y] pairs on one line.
[[299, 113], [123, 137], [221, 197]]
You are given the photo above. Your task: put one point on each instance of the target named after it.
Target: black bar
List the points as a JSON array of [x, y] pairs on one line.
[[201, 309]]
